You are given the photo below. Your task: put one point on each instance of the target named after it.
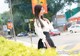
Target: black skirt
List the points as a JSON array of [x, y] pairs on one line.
[[49, 40]]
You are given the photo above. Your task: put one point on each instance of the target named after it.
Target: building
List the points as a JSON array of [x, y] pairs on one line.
[[61, 20]]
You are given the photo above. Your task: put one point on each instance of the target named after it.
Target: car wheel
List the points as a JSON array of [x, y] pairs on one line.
[[71, 31]]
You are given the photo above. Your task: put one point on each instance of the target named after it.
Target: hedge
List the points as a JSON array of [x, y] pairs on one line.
[[11, 48]]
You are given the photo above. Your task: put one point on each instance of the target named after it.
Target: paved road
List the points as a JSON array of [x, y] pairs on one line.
[[64, 38], [66, 41]]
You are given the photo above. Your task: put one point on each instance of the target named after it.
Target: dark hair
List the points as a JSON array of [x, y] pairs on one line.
[[37, 10]]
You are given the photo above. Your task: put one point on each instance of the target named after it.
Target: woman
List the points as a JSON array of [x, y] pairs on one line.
[[42, 28]]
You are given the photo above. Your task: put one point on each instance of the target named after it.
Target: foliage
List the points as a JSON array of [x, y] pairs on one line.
[[22, 9], [24, 6], [11, 48], [55, 5], [0, 20], [5, 16]]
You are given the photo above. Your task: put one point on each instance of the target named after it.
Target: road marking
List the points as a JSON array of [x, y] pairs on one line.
[[73, 48]]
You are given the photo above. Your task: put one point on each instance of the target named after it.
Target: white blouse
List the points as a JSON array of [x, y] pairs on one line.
[[39, 31], [47, 26]]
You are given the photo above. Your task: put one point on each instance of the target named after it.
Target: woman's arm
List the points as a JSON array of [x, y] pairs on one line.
[[50, 24]]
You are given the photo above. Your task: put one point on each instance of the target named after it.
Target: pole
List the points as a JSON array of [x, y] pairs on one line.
[[11, 17], [30, 34]]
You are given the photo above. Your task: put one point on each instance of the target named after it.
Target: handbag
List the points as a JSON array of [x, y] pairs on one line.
[[41, 44]]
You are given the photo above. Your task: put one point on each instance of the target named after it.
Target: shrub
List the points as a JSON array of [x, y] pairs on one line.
[[11, 48]]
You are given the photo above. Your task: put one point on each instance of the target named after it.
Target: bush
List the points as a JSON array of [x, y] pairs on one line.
[[11, 48]]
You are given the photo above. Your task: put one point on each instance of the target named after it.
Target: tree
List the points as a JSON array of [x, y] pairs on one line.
[[5, 16], [24, 6], [55, 5], [21, 6], [22, 9], [0, 20]]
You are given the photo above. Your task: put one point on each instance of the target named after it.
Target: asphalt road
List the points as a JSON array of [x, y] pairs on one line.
[[67, 43], [63, 39]]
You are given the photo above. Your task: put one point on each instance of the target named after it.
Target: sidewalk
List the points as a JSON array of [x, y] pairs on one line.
[[26, 43], [69, 49], [65, 33]]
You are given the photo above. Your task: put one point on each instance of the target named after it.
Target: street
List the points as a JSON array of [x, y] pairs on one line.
[[67, 43], [64, 39]]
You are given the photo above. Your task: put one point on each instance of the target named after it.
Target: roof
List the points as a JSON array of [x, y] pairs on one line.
[[76, 15]]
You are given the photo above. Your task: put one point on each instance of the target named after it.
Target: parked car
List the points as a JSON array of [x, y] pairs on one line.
[[54, 32], [74, 28], [22, 34]]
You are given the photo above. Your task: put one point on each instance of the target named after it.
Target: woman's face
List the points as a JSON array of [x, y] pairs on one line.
[[42, 11]]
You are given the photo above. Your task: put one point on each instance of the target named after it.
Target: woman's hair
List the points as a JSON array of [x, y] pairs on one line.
[[37, 10]]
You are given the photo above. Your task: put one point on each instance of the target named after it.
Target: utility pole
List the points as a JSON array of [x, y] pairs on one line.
[[11, 17]]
